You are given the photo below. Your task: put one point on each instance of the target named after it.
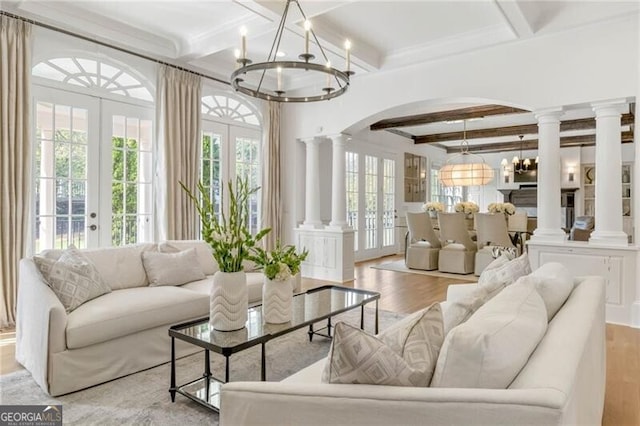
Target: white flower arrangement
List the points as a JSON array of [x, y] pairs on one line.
[[467, 207], [433, 206], [505, 208]]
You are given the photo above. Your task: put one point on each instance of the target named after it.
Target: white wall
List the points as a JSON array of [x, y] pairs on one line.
[[591, 63]]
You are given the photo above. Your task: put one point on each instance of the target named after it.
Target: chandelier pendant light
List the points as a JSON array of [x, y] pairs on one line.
[[521, 165], [465, 169], [336, 82]]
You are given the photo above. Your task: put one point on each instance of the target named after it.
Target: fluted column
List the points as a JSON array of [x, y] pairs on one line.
[[312, 218], [549, 177], [338, 184], [608, 218]]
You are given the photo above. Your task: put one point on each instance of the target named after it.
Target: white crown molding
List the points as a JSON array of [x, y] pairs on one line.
[[450, 46], [89, 24]]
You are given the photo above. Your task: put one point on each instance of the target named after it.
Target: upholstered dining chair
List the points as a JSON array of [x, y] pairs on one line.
[[492, 232], [423, 244], [458, 252]]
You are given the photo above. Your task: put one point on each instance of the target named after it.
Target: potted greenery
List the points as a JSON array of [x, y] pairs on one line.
[[280, 266], [231, 243]]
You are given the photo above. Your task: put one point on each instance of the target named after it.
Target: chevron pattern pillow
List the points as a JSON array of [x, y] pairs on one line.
[[403, 355]]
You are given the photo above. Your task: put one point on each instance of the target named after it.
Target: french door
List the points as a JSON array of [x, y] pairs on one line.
[[229, 151], [371, 185], [93, 171]]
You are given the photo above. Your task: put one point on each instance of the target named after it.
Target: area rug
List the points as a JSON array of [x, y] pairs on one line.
[[143, 398], [399, 266]]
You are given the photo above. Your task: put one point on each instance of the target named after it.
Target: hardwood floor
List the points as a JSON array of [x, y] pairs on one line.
[[406, 293]]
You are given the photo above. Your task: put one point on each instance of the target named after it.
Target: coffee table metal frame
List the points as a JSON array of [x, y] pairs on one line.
[[207, 381]]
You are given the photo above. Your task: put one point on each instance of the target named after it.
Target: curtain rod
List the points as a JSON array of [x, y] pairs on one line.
[[105, 44]]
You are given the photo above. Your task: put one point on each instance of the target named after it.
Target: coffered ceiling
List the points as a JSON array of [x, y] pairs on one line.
[[202, 35]]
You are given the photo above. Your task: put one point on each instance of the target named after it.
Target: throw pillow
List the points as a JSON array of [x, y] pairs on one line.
[[509, 252], [203, 250], [490, 349], [500, 273], [461, 310], [403, 355], [172, 268], [554, 283], [73, 278]]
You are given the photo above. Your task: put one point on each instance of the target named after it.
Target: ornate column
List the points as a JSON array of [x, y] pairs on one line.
[[338, 184], [549, 177], [312, 217], [608, 218]]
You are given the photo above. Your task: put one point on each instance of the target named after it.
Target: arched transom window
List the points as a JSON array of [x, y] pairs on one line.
[[93, 74], [226, 107]]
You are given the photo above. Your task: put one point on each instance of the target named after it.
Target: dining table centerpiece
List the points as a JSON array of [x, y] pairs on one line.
[[279, 266], [227, 233], [432, 208]]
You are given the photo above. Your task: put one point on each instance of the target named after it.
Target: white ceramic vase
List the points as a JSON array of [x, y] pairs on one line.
[[277, 298], [229, 301]]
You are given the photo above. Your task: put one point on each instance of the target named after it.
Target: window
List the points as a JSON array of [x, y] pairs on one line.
[[93, 74], [388, 202], [231, 147], [447, 195], [371, 201], [352, 193]]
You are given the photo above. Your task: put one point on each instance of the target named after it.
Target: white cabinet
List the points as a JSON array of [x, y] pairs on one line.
[[331, 255], [616, 265]]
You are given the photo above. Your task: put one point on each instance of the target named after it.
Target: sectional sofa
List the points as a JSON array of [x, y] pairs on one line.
[[119, 333]]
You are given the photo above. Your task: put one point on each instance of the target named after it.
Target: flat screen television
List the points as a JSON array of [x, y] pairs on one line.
[[526, 176]]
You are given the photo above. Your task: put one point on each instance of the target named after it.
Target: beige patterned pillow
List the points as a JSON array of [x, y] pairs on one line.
[[500, 273], [403, 355], [73, 278]]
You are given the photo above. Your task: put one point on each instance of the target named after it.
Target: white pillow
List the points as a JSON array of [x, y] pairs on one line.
[[72, 277], [461, 310], [403, 355], [504, 272], [490, 349], [203, 251], [172, 268], [554, 283]]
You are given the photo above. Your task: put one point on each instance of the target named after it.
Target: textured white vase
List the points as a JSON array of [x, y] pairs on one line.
[[229, 301], [277, 298]]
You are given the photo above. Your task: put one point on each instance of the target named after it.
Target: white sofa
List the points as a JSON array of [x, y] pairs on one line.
[[562, 383], [113, 335]]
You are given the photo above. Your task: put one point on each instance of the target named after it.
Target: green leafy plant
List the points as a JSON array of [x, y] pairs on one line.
[[228, 235], [281, 263]]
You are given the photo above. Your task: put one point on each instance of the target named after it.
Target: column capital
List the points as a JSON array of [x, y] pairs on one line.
[[611, 108], [316, 140], [339, 138], [548, 115]]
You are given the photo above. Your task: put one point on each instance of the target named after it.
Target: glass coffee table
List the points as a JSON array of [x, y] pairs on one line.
[[308, 308]]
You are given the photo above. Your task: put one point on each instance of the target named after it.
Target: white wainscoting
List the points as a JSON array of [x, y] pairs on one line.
[[331, 255]]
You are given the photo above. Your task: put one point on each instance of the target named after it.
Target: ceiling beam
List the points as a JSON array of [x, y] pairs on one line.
[[532, 144], [525, 129], [437, 117]]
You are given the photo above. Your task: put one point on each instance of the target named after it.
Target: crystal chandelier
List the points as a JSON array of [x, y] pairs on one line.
[[471, 170], [334, 81]]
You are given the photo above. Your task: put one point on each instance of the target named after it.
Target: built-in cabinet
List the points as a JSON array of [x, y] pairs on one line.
[[589, 196], [331, 255], [616, 265], [415, 178]]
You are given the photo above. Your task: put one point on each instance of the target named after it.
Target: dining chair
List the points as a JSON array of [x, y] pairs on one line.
[[492, 232], [458, 251], [422, 245]]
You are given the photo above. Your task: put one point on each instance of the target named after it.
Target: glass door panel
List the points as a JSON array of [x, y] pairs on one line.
[[66, 139]]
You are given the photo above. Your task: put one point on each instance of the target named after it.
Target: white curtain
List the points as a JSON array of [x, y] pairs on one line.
[[15, 157], [178, 118], [271, 188]]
